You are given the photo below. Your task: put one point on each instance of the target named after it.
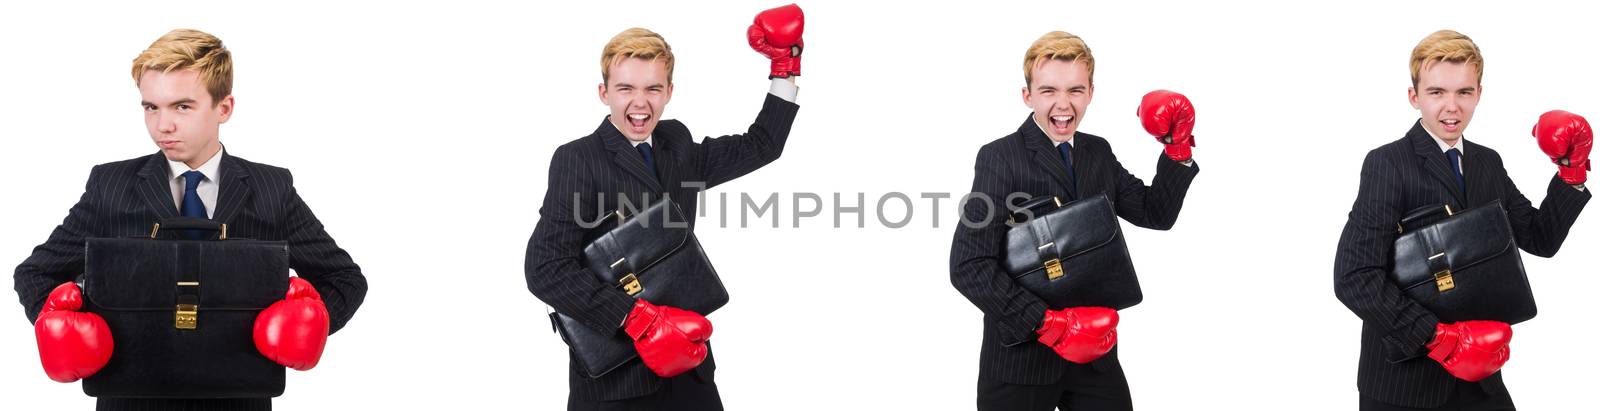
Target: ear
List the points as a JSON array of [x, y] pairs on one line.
[[1411, 95], [225, 109], [1025, 94], [667, 96], [602, 93]]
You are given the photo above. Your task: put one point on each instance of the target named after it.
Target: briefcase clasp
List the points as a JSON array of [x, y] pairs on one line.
[[630, 284], [1444, 280], [188, 317], [1052, 269]]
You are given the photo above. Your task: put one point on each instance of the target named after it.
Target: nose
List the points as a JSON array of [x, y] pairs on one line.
[[1452, 104], [165, 123]]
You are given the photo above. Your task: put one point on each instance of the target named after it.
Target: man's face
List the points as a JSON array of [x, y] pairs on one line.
[[1446, 93], [180, 116], [1059, 96], [637, 92]]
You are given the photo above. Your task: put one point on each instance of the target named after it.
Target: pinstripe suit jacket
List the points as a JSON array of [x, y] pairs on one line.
[[595, 174], [1398, 177], [258, 201], [1026, 162]]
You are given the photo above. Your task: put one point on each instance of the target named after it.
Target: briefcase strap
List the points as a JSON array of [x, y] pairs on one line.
[[186, 316], [622, 268], [1438, 260], [1049, 257]]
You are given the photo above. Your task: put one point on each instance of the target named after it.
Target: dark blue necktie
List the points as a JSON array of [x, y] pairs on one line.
[[192, 206], [1066, 156], [649, 158], [1455, 166]]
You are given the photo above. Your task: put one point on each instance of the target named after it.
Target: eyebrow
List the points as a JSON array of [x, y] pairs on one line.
[[180, 101], [1437, 88]]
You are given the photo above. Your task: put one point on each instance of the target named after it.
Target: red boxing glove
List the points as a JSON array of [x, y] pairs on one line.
[[776, 34], [1567, 139], [669, 340], [1079, 334], [72, 344], [1471, 350], [293, 332], [1169, 117]]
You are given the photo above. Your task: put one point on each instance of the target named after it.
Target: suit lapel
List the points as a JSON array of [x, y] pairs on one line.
[[1046, 156], [625, 155], [234, 188], [1480, 179], [1434, 162], [668, 153], [155, 189]]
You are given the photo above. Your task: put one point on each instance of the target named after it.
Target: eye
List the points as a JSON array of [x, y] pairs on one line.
[[183, 108], [149, 108]]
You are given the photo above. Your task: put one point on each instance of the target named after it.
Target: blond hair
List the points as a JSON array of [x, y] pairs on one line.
[[1056, 45], [185, 49], [1445, 45], [635, 43]]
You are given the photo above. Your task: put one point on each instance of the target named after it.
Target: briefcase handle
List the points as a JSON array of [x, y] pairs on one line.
[[1033, 208], [190, 223], [1424, 216]]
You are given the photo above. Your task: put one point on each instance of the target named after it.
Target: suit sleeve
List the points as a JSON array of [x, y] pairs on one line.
[[733, 156], [553, 267], [316, 258], [1156, 206], [60, 258], [1360, 270], [975, 261], [1540, 231]]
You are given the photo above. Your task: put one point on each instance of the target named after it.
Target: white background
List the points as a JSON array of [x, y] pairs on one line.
[[402, 120]]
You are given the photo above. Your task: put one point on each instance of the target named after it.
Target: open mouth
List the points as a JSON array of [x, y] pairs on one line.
[[1451, 125], [638, 120], [1062, 123]]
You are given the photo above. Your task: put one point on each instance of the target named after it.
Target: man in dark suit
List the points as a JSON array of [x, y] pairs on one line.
[[185, 80], [1409, 360], [631, 160], [1047, 156]]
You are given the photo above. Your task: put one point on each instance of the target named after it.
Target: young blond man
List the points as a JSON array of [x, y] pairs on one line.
[[1409, 359], [1034, 356], [635, 158], [185, 82]]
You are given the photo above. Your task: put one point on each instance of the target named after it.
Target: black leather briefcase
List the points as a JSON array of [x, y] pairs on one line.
[[1071, 255], [652, 255], [181, 312], [1462, 266]]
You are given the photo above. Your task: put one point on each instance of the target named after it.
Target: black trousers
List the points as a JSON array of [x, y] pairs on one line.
[[134, 404], [1468, 396], [683, 392], [1081, 388]]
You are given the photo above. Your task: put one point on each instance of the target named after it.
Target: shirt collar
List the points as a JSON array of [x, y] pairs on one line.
[[1444, 147], [210, 168], [1053, 142], [647, 139]]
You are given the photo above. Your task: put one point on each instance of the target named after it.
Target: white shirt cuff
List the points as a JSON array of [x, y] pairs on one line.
[[784, 88]]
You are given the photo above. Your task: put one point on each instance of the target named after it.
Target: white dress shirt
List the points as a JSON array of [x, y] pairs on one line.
[[1461, 166], [208, 185]]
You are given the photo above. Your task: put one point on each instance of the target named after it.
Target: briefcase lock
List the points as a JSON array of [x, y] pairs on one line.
[[188, 317], [630, 284], [1052, 269], [1444, 280]]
